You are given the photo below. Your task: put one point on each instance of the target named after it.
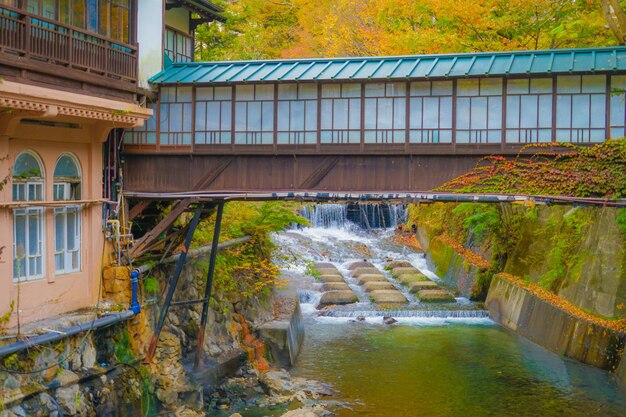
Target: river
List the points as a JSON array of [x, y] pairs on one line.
[[437, 360]]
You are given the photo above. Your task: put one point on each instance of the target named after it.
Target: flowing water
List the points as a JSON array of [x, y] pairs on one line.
[[438, 360]]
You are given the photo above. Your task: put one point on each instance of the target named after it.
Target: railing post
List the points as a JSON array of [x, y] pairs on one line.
[[209, 283], [27, 35]]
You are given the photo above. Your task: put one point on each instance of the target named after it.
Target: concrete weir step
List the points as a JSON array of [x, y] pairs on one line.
[[408, 279], [398, 264], [388, 297], [328, 271], [338, 297], [415, 287], [362, 271], [335, 286], [435, 296], [356, 265], [378, 285], [402, 270], [371, 278], [324, 265], [331, 278]]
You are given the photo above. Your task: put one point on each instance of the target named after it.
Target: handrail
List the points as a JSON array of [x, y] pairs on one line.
[[42, 38]]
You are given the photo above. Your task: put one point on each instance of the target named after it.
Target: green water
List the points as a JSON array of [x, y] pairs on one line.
[[453, 370]]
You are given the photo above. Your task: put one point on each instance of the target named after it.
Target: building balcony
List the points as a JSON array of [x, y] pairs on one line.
[[36, 43]]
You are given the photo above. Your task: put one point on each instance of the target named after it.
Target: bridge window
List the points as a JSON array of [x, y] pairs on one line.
[[254, 114], [479, 111], [297, 114], [145, 135], [529, 110], [28, 227], [213, 116], [341, 113], [581, 108], [618, 106], [385, 113], [175, 114], [67, 220], [431, 112]]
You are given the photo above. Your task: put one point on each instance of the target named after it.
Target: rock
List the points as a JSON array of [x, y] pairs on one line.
[[276, 383], [371, 278], [361, 248], [236, 415], [335, 286], [408, 279], [360, 318], [389, 320], [356, 265], [324, 265], [362, 271], [331, 278], [338, 297], [327, 271], [435, 296], [388, 297], [65, 378], [401, 270], [72, 401], [89, 355], [378, 285], [12, 383], [301, 412]]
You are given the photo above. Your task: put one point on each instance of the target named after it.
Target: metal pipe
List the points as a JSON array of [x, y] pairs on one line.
[[52, 337], [172, 284], [209, 282], [135, 307]]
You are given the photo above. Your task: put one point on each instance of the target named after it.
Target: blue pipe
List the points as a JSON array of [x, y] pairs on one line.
[[135, 307]]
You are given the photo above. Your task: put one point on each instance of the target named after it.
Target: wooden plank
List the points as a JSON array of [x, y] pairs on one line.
[[318, 175], [141, 245], [212, 175]]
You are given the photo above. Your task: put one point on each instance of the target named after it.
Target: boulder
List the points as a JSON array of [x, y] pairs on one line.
[[331, 278], [389, 320], [327, 271], [402, 270], [356, 265], [378, 285], [422, 285], [338, 297], [435, 296], [388, 297], [335, 286], [362, 271], [371, 278], [408, 279]]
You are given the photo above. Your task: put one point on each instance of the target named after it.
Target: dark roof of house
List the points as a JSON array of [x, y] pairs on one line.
[[542, 62]]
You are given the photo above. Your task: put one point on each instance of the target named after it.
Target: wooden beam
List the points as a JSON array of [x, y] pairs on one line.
[[141, 245], [138, 209], [318, 175], [212, 175]]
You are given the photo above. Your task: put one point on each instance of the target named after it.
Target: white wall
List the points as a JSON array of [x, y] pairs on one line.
[[150, 39], [178, 19]]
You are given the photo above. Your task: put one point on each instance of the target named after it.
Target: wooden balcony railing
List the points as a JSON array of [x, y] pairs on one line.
[[45, 40]]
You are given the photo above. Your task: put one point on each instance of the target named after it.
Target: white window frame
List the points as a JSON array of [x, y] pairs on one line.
[[65, 252], [27, 213]]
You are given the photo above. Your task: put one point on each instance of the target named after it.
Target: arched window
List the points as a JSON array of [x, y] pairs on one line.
[[28, 230], [67, 224]]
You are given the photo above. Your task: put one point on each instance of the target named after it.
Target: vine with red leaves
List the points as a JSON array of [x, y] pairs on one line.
[[562, 169]]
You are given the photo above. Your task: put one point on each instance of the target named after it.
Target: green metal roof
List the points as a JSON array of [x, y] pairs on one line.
[[400, 67]]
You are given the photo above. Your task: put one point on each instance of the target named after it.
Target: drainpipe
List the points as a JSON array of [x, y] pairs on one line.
[[52, 337], [135, 307]]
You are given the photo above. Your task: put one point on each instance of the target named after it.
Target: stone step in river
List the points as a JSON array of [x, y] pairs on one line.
[[336, 290]]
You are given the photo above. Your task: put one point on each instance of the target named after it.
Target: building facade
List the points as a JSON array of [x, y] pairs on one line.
[[73, 77]]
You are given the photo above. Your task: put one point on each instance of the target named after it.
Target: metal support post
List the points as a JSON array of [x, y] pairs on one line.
[[172, 284], [209, 283]]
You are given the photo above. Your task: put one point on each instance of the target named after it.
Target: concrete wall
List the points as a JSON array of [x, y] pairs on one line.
[[53, 294], [554, 328], [150, 38]]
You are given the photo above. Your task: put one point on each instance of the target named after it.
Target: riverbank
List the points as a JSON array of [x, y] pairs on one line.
[[569, 260]]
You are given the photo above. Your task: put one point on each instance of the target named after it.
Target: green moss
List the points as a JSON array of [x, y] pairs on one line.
[[122, 346], [151, 286]]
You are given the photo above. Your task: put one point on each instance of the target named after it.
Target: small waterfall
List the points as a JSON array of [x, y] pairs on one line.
[[440, 314], [366, 216]]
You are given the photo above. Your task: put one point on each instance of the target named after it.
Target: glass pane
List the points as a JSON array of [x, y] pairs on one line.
[[19, 192], [529, 111], [33, 234], [241, 116], [78, 15], [59, 262], [213, 113], [541, 85], [351, 90], [223, 93], [442, 88], [598, 111], [617, 111], [594, 84], [287, 91], [311, 115], [327, 114], [66, 168], [72, 230], [491, 87], [283, 115], [331, 90], [467, 87], [355, 116], [431, 113], [341, 114], [563, 111], [254, 116], [580, 108], [445, 114], [545, 111], [462, 113], [415, 116], [385, 113], [244, 92], [308, 91], [226, 115], [204, 93], [59, 231], [26, 166], [48, 9], [495, 113], [268, 116], [375, 90], [399, 113], [297, 115], [479, 113], [420, 89], [512, 111], [370, 113], [396, 89], [517, 86], [264, 92], [568, 84]]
